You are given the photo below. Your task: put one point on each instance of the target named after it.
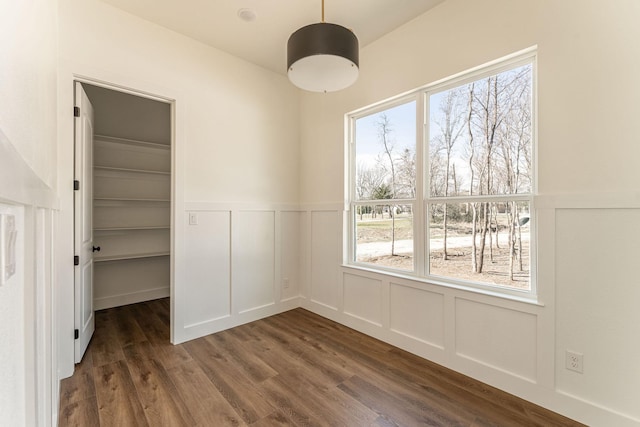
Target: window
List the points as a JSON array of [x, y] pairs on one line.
[[385, 187], [442, 180]]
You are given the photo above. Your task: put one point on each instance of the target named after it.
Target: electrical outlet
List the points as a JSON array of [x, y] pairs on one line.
[[285, 283], [574, 361]]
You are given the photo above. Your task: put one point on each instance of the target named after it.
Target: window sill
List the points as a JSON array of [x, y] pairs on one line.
[[505, 295]]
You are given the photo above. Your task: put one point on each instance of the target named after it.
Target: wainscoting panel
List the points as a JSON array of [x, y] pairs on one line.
[[497, 337], [325, 258], [253, 249], [290, 229], [236, 258], [208, 261], [417, 314], [586, 302], [363, 298], [29, 316], [597, 285]]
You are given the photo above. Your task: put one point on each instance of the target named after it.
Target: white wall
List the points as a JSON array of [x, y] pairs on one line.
[[236, 167], [27, 81], [28, 34], [236, 153], [587, 208]]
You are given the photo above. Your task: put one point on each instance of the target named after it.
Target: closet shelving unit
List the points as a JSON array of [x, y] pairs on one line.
[[131, 214]]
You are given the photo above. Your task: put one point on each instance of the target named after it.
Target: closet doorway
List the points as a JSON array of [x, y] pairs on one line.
[[131, 200]]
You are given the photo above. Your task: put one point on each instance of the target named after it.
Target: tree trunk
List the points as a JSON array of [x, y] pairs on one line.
[[519, 237], [444, 230], [495, 216], [491, 125], [385, 130], [483, 237], [474, 233], [446, 193], [490, 238], [393, 231], [512, 229], [474, 260]]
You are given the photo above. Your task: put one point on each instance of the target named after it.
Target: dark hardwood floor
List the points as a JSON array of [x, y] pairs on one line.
[[293, 369]]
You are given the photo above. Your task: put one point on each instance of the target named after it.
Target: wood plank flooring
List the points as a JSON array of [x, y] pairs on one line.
[[293, 369]]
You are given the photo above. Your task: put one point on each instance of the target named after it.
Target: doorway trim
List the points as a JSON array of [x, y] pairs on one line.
[[172, 103], [64, 298]]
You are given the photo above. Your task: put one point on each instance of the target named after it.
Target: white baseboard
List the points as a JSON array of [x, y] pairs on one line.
[[132, 298]]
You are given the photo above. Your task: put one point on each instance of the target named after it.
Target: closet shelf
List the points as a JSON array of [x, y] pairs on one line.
[[130, 199], [116, 169], [113, 139], [129, 256], [158, 227]]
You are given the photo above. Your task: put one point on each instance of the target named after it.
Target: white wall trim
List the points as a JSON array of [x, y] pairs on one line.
[[212, 326], [322, 207], [33, 204], [71, 70], [130, 298], [241, 206], [610, 200], [540, 388]]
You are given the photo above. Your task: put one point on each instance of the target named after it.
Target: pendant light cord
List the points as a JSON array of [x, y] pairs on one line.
[[322, 10]]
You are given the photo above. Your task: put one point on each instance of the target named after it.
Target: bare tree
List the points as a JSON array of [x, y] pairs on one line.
[[495, 124], [491, 119], [515, 140], [406, 170], [454, 178], [368, 179], [451, 127], [384, 134], [471, 154], [436, 178]]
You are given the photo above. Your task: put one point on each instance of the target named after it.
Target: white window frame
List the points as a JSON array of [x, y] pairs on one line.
[[352, 202], [423, 199]]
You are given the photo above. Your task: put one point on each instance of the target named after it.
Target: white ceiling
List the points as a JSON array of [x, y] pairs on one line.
[[264, 41]]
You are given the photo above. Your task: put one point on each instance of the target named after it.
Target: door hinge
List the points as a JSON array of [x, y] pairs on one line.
[[76, 111], [76, 184], [76, 334], [76, 260]]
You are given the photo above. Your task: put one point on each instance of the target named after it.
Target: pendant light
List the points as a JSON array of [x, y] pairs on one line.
[[322, 57]]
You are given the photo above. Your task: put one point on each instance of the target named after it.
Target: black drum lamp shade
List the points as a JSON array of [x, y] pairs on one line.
[[323, 57]]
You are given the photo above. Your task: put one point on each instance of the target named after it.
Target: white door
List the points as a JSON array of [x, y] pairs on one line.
[[83, 231]]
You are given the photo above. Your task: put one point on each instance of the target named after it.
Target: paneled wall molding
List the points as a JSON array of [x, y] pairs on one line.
[[242, 263], [28, 357], [608, 200], [428, 284], [323, 206], [257, 206], [517, 345], [211, 326], [596, 294], [267, 206], [241, 206]]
